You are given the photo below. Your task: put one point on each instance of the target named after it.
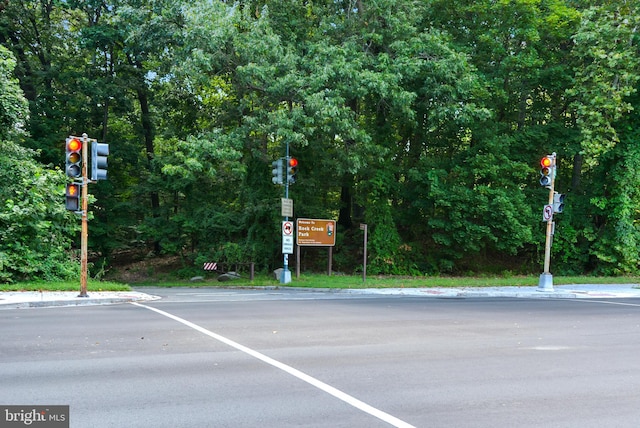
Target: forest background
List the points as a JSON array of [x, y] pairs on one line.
[[425, 119]]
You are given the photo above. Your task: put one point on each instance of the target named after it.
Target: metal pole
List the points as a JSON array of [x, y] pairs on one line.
[[297, 261], [546, 279], [364, 264], [286, 274], [84, 234]]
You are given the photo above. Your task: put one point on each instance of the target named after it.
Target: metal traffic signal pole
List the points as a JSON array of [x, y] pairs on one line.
[[286, 273], [84, 234], [77, 191], [546, 278]]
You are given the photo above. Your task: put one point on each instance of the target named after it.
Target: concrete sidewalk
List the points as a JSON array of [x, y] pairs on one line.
[[577, 291], [35, 299], [39, 299]]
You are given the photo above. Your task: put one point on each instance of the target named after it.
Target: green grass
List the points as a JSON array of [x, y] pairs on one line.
[[64, 286], [324, 281]]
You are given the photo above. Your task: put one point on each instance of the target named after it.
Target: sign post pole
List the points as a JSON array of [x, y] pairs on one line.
[[363, 227]]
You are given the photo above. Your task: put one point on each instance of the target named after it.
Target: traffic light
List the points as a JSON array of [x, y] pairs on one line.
[[73, 160], [276, 172], [547, 170], [292, 170], [558, 202], [99, 152], [72, 197]]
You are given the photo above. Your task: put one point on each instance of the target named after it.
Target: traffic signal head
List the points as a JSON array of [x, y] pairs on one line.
[[73, 161], [558, 202], [276, 172], [72, 197], [99, 152], [547, 170], [292, 170]]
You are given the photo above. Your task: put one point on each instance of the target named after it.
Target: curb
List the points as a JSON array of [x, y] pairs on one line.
[[57, 303]]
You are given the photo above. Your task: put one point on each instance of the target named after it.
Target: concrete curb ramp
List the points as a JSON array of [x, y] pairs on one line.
[[41, 299]]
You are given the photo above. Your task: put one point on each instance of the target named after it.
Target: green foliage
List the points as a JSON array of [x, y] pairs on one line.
[[606, 74], [13, 105], [35, 229], [426, 120], [34, 226]]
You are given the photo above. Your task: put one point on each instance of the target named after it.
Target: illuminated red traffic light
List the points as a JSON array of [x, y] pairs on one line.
[[292, 170], [74, 145]]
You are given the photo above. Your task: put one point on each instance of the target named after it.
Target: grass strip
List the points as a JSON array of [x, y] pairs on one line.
[[325, 281]]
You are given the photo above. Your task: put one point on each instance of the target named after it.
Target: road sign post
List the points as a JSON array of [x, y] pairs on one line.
[[364, 228]]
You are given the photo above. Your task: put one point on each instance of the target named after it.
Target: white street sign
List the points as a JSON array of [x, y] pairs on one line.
[[286, 208], [287, 245], [287, 237], [547, 213], [287, 228]]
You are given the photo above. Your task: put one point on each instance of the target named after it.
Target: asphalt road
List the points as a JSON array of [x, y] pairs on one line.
[[282, 358]]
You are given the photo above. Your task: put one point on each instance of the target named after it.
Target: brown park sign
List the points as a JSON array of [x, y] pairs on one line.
[[316, 232]]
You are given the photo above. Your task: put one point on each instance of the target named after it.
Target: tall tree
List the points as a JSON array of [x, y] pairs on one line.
[[34, 227]]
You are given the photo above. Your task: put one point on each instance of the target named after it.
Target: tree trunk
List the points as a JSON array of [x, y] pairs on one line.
[[147, 129], [577, 171], [346, 203]]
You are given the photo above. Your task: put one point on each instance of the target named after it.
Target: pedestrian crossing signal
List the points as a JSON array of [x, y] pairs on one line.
[[72, 197]]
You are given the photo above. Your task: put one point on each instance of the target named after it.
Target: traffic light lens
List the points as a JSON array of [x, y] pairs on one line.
[[293, 162], [546, 162], [74, 171], [74, 145], [72, 190], [545, 171], [74, 157]]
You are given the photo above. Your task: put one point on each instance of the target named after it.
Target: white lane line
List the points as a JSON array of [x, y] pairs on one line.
[[294, 372], [603, 302]]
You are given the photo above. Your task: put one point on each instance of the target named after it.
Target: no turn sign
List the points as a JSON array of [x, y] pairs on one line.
[[287, 228], [547, 213]]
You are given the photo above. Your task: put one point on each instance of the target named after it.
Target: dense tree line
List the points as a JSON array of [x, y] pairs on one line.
[[424, 119]]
